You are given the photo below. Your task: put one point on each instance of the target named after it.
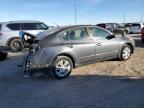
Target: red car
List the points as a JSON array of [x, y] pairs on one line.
[[142, 36]]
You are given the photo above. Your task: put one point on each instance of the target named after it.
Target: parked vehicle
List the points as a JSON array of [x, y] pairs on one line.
[[64, 48], [142, 34], [136, 27], [115, 28], [9, 32], [128, 25]]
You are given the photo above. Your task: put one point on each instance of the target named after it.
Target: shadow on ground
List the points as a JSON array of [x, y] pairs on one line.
[[79, 91]]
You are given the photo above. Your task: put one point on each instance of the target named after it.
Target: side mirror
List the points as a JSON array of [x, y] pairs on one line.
[[110, 37]]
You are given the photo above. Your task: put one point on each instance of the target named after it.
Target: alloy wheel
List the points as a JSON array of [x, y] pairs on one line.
[[63, 67], [126, 53]]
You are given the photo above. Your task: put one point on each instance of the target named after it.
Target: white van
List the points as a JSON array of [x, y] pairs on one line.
[[136, 27], [9, 32]]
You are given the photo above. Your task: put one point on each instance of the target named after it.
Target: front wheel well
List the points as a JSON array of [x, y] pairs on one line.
[[69, 56], [131, 46]]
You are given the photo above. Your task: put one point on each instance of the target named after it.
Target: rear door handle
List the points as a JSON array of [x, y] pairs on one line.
[[70, 46]]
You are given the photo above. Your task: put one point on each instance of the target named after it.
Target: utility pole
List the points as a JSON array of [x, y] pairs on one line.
[[141, 17], [124, 18], [75, 9]]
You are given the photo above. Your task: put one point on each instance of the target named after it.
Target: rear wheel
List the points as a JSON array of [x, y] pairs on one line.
[[16, 45], [62, 67], [125, 53]]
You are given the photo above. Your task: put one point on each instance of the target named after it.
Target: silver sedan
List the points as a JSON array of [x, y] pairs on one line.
[[61, 49]]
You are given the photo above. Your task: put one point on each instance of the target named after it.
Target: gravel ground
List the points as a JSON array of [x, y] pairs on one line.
[[108, 84]]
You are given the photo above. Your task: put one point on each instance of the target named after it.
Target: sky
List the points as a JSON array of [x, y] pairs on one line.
[[62, 12]]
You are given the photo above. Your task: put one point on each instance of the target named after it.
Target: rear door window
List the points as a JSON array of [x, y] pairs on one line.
[[34, 26], [14, 26]]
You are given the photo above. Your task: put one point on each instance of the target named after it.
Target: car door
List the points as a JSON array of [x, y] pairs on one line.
[[107, 46], [78, 43]]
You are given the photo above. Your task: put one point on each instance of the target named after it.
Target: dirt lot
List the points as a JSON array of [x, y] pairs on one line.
[[109, 84], [132, 67]]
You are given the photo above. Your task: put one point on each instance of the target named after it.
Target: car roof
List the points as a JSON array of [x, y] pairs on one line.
[[21, 21], [73, 26], [59, 29]]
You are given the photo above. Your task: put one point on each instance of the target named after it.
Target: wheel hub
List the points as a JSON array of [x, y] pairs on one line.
[[63, 68], [126, 53]]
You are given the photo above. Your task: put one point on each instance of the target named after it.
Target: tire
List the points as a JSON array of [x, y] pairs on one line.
[[65, 67], [125, 53], [16, 45]]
